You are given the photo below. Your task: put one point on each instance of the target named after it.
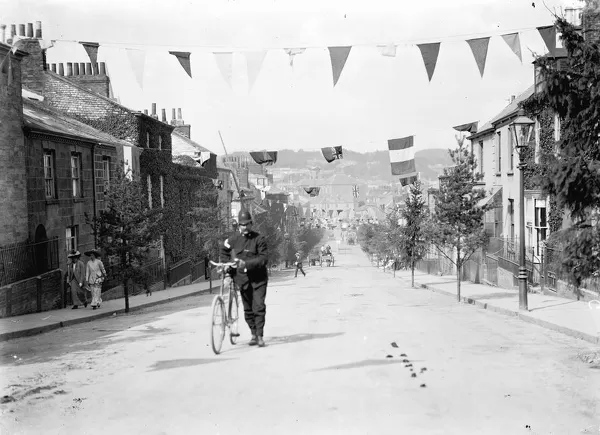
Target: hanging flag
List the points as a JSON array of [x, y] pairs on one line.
[[292, 52], [312, 191], [402, 155], [184, 60], [16, 43], [430, 53], [137, 60], [405, 181], [225, 64], [254, 61], [513, 41], [91, 48], [338, 56], [264, 157], [548, 34], [355, 191], [387, 50], [479, 47], [332, 153], [202, 157], [470, 127], [45, 44]]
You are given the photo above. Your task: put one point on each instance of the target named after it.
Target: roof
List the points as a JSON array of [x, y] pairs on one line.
[[183, 146], [39, 117]]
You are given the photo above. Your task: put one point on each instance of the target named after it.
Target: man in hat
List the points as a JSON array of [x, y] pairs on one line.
[[298, 264], [76, 278], [249, 250]]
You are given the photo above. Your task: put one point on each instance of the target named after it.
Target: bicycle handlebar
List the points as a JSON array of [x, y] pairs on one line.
[[223, 265]]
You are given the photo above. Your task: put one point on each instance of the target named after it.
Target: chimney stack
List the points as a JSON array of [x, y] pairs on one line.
[[3, 33], [38, 29], [30, 30], [164, 115]]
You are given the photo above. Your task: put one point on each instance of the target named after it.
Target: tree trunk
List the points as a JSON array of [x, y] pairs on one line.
[[126, 294], [412, 273], [458, 267]]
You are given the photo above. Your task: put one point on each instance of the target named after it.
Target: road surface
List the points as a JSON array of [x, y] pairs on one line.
[[329, 367]]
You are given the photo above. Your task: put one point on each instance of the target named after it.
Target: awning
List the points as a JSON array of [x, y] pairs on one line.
[[495, 198]]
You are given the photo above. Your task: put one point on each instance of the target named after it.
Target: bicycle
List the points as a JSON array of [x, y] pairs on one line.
[[221, 319]]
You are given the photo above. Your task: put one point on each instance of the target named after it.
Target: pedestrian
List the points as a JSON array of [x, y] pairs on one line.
[[76, 279], [298, 264], [249, 250], [95, 276]]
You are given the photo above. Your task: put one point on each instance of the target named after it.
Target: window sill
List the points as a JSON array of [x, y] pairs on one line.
[[498, 174], [511, 173], [51, 201], [78, 200]]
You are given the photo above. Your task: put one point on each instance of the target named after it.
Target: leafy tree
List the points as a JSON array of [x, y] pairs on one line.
[[457, 229], [266, 225], [413, 239], [209, 224], [126, 230], [571, 90]]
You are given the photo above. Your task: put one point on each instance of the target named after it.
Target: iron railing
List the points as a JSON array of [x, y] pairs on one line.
[[22, 261]]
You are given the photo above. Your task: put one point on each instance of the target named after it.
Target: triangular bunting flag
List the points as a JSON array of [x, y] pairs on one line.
[[548, 34], [513, 41], [291, 52], [338, 56], [479, 47], [202, 157], [184, 59], [471, 127], [332, 153], [254, 61], [91, 48], [264, 157], [387, 50], [137, 60], [312, 191], [225, 64], [430, 53]]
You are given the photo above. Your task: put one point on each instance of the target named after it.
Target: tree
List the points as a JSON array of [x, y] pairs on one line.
[[266, 225], [126, 230], [208, 224], [412, 232], [457, 225], [571, 177]]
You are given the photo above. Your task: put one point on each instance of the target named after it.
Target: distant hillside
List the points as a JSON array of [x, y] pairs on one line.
[[371, 165]]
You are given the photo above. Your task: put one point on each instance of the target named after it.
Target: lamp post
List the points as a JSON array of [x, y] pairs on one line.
[[521, 129]]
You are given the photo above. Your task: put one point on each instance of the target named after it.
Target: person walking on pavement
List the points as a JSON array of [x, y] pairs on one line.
[[249, 250], [298, 264], [95, 275], [76, 279]]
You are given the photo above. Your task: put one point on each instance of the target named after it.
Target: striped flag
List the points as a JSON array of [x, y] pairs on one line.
[[402, 157]]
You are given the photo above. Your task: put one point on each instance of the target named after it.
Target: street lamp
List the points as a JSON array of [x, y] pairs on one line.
[[521, 129]]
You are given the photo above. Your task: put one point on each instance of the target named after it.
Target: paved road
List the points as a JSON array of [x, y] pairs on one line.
[[325, 369]]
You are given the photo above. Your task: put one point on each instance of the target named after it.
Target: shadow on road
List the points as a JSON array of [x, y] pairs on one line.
[[360, 364], [183, 362], [285, 339]]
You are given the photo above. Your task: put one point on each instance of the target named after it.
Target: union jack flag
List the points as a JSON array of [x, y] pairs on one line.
[[355, 191]]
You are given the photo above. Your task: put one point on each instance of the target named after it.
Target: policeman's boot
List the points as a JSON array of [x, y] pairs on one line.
[[253, 340], [261, 342]]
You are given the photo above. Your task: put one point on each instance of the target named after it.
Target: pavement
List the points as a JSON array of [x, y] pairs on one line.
[[350, 350], [571, 317]]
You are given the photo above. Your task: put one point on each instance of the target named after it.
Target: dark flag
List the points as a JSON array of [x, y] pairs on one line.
[[312, 191], [332, 153], [264, 157], [471, 127]]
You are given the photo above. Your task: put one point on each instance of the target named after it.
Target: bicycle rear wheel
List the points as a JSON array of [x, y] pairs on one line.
[[218, 324], [234, 309]]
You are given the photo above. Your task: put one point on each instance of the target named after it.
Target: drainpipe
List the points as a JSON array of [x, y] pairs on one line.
[[94, 191]]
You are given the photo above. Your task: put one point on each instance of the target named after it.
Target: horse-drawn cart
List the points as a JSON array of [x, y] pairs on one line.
[[328, 259]]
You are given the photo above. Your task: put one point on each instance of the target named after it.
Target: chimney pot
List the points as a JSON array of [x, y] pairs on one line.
[[38, 29], [164, 115], [30, 30], [13, 30], [145, 111], [61, 69], [53, 66], [88, 69], [70, 69], [75, 69], [102, 69], [3, 32], [153, 108], [174, 116], [178, 113], [22, 30], [82, 68]]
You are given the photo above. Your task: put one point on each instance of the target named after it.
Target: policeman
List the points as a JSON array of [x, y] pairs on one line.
[[249, 250]]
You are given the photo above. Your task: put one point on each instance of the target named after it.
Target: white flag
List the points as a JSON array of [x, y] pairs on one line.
[[137, 60], [225, 64], [254, 61]]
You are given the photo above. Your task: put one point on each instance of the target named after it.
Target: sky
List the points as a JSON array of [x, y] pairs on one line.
[[376, 98]]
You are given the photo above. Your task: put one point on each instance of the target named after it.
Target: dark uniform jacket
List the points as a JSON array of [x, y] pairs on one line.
[[252, 248]]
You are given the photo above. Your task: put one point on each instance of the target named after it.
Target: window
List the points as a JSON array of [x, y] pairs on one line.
[[499, 151], [49, 177], [106, 172], [511, 217], [72, 234], [76, 174], [481, 156], [162, 196], [556, 127], [160, 142], [540, 223], [147, 139], [538, 132], [511, 151], [149, 183]]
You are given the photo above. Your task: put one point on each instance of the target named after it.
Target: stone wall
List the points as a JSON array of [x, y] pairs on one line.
[[41, 293]]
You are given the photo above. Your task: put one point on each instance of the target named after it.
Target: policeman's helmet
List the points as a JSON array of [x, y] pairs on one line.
[[244, 218]]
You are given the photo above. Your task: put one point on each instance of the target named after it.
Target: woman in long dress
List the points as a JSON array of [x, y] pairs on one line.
[[95, 275]]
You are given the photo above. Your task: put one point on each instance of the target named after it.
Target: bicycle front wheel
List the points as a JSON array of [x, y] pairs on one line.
[[218, 324], [234, 309]]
